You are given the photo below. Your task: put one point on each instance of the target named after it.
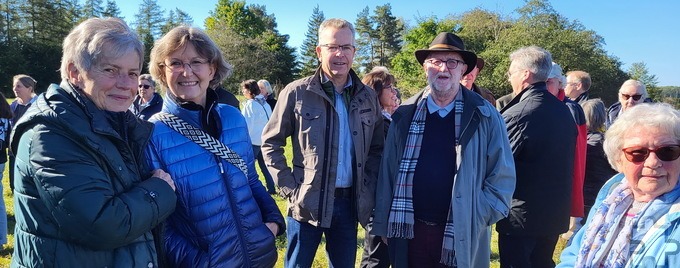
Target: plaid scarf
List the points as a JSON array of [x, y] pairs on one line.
[[401, 219]]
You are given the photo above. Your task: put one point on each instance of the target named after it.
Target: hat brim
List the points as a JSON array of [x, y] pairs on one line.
[[469, 58]]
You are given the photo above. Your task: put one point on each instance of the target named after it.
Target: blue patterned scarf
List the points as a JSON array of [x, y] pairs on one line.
[[401, 219]]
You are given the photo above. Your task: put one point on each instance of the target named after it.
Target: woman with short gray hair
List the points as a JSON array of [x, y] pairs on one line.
[[84, 195], [635, 221]]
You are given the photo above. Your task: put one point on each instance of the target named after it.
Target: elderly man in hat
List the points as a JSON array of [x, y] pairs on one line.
[[435, 178], [543, 138], [468, 81]]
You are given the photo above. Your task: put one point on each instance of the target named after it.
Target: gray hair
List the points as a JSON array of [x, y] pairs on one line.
[[148, 78], [178, 38], [95, 39], [637, 84], [660, 116], [336, 24], [535, 59], [595, 114], [264, 84]]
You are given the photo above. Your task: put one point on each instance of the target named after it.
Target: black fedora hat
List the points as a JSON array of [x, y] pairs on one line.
[[445, 42]]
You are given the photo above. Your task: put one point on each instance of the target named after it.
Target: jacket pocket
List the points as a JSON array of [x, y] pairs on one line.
[[311, 126]]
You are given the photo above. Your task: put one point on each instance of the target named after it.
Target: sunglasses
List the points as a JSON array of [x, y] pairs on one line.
[[144, 86], [635, 97], [640, 154]]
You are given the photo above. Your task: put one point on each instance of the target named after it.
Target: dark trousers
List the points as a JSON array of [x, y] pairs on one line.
[[518, 251], [375, 253], [425, 249], [11, 158], [269, 181]]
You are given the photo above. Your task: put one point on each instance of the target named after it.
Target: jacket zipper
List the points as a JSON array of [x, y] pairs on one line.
[[233, 212], [325, 171]]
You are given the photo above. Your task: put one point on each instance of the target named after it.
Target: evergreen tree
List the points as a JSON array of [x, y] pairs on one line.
[[364, 58], [309, 59], [176, 18], [148, 25], [92, 8], [112, 10], [387, 33]]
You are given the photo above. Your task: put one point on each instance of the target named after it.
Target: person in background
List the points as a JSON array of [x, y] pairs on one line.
[[335, 125], [447, 172], [256, 111], [267, 91], [468, 81], [542, 145], [598, 170], [555, 85], [5, 129], [24, 90], [375, 252], [84, 195], [224, 216], [631, 93], [147, 102], [384, 84], [635, 221], [578, 85]]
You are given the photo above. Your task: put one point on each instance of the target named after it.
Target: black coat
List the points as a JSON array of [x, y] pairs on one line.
[[598, 170], [145, 113], [542, 136]]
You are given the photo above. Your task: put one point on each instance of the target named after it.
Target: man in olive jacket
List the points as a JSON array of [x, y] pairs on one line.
[[336, 128]]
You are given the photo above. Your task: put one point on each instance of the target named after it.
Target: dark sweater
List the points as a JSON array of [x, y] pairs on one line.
[[433, 177]]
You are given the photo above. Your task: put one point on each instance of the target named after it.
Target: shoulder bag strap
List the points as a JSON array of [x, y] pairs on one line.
[[203, 139]]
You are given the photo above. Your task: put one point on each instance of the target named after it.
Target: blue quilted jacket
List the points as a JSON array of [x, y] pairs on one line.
[[220, 214]]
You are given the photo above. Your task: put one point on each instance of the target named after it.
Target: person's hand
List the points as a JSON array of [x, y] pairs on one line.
[[384, 239], [272, 227], [159, 173]]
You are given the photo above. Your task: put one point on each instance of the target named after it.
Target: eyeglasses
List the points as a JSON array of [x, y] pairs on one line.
[[451, 64], [335, 48], [144, 86], [178, 66], [640, 154], [635, 97]]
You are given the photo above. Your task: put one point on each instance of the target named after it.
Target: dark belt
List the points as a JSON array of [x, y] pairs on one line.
[[429, 223], [343, 192]]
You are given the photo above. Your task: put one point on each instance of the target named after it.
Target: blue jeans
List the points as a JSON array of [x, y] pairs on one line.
[[341, 238], [269, 181]]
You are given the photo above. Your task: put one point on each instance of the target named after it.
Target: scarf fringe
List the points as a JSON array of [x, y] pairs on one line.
[[448, 257], [400, 230]]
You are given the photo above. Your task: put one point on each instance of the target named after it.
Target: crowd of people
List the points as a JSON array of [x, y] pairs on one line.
[[107, 172]]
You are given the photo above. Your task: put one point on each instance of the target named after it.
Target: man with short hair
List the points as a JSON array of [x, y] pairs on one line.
[[631, 93], [336, 128], [543, 149], [468, 81], [447, 171], [578, 84]]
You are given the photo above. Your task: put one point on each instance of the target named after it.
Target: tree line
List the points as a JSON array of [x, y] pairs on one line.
[[32, 31]]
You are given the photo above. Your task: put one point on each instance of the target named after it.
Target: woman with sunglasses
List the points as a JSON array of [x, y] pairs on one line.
[[631, 93], [147, 102], [635, 221]]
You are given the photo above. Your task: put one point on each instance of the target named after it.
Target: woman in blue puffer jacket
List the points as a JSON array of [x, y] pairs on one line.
[[224, 216]]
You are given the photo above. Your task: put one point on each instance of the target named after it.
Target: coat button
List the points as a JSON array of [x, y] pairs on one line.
[[359, 164], [150, 265], [120, 168], [355, 133]]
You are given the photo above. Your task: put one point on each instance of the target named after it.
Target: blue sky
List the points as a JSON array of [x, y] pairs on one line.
[[633, 31]]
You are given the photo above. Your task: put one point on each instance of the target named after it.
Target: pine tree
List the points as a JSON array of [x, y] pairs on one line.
[[112, 10], [308, 57]]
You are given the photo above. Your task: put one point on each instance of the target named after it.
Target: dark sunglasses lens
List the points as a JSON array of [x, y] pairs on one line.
[[144, 86], [636, 97], [668, 153], [637, 156]]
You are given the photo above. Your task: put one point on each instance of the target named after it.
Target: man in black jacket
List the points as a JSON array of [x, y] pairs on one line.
[[543, 149]]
